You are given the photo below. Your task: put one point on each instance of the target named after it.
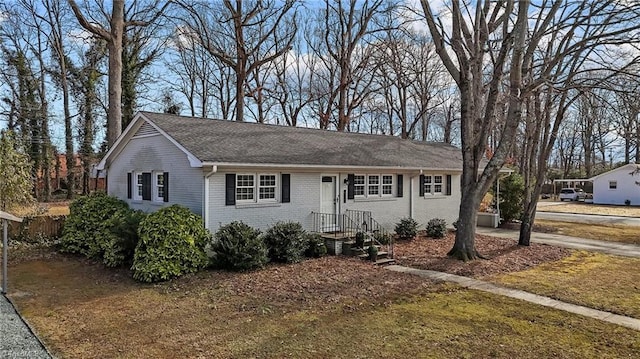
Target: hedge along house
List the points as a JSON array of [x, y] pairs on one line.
[[261, 174], [618, 186]]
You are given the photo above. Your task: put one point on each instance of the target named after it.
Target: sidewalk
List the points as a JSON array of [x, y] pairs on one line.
[[476, 284], [615, 248], [17, 340]]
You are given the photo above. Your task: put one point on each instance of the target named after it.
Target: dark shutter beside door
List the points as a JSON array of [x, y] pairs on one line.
[[448, 185], [146, 186], [421, 185], [400, 184], [285, 195], [166, 186], [129, 185], [350, 188], [230, 189]]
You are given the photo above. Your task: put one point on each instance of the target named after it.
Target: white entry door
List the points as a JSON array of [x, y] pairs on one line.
[[328, 204]]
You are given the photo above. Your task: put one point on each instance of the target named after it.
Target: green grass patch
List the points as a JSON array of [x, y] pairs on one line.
[[595, 280]]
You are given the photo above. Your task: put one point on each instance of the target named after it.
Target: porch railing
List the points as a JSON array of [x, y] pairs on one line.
[[374, 230]]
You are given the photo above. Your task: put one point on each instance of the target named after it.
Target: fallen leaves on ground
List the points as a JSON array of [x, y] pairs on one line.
[[504, 255]]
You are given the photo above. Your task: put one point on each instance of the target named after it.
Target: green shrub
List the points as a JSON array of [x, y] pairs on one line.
[[286, 242], [238, 247], [172, 243], [511, 197], [360, 237], [121, 247], [382, 237], [436, 228], [407, 228], [316, 247], [94, 225]]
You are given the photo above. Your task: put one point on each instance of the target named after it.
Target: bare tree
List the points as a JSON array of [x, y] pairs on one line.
[[113, 35], [244, 36]]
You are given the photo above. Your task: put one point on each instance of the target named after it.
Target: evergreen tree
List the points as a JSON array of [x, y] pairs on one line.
[[15, 170]]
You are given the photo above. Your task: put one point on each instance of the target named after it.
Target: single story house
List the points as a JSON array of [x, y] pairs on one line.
[[618, 186], [262, 174]]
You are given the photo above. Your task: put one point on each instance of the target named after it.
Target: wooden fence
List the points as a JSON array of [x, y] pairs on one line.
[[37, 228]]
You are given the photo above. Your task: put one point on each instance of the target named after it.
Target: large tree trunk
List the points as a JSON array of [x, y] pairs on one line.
[[114, 45]]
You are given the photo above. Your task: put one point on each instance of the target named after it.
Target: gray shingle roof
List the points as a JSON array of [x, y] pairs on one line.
[[241, 142]]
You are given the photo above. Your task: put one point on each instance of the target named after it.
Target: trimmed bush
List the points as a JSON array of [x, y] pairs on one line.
[[407, 228], [238, 247], [382, 237], [511, 197], [91, 224], [120, 249], [316, 247], [172, 243], [436, 228], [286, 242]]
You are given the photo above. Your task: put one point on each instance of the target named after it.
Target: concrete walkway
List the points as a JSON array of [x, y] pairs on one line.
[[16, 339], [476, 284], [615, 248]]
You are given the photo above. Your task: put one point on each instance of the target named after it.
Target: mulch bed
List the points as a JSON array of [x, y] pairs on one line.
[[504, 255]]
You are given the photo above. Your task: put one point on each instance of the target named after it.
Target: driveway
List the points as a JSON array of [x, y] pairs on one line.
[[16, 339], [587, 218]]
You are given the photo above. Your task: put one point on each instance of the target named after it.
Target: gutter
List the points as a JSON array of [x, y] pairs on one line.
[[205, 201]]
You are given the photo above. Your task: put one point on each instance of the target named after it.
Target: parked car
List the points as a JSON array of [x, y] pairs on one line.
[[572, 194]]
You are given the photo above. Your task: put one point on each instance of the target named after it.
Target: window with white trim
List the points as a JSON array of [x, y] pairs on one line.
[[437, 187], [373, 185], [256, 188], [358, 185], [267, 187], [137, 186], [387, 185], [245, 187], [613, 184], [428, 186], [158, 186]]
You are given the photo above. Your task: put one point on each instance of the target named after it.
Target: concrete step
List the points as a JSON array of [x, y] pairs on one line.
[[381, 255], [384, 262]]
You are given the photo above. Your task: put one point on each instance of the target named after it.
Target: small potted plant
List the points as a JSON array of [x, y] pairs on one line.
[[373, 253], [360, 240]]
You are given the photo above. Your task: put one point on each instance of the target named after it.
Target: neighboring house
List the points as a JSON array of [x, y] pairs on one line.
[[261, 174], [618, 186]]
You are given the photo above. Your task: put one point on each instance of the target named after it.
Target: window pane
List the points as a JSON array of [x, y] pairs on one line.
[[267, 193], [374, 189], [427, 179], [160, 179], [139, 178], [387, 179], [358, 185], [437, 179], [437, 188], [427, 189], [386, 189], [267, 180]]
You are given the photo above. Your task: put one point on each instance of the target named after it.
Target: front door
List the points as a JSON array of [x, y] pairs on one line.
[[328, 204]]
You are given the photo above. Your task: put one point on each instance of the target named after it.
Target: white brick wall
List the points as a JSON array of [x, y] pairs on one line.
[[305, 198], [156, 153]]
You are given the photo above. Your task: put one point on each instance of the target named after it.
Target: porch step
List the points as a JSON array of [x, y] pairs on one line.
[[384, 262], [381, 255]]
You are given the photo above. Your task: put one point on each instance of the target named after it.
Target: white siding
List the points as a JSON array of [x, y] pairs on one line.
[[156, 153], [445, 207], [305, 198], [626, 187]]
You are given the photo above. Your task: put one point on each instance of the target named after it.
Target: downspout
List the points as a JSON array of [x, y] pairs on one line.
[[411, 210], [205, 202]]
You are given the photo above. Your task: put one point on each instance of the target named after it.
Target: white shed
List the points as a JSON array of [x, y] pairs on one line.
[[619, 186]]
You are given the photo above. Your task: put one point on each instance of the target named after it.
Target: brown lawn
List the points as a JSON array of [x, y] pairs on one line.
[[323, 308], [589, 208]]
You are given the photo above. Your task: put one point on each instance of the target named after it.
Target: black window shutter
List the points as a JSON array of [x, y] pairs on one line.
[[285, 195], [400, 184], [230, 186], [166, 186], [146, 186], [129, 185], [448, 185], [421, 185], [350, 179]]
